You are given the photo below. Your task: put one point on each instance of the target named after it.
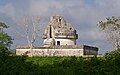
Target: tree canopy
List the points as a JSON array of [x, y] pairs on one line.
[[5, 42], [5, 39], [112, 29]]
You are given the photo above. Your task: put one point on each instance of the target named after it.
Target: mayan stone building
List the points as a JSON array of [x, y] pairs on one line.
[[59, 40], [59, 32]]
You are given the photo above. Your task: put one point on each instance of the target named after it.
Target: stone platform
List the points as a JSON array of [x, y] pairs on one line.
[[68, 50]]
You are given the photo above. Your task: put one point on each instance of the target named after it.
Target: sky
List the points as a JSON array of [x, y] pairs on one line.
[[84, 15]]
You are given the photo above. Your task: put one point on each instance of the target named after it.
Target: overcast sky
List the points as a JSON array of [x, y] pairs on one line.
[[84, 16]]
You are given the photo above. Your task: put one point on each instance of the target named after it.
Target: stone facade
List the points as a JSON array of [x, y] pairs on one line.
[[59, 32], [52, 52], [59, 40], [69, 50]]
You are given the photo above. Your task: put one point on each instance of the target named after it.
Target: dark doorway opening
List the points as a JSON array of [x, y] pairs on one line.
[[58, 42]]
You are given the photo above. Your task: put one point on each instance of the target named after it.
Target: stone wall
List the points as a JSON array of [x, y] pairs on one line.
[[62, 50], [50, 52], [90, 52], [66, 41]]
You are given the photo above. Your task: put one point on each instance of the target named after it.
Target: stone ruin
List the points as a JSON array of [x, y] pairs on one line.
[[59, 40]]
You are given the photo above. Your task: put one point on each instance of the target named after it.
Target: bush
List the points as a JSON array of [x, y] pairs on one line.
[[107, 65]]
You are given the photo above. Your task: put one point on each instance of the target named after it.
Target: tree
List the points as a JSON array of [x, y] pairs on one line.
[[31, 30], [5, 41], [112, 29], [30, 27]]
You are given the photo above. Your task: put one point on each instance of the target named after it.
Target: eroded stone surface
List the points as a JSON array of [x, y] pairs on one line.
[[59, 32]]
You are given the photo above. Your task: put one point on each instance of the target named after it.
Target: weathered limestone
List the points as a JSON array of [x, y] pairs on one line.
[[52, 52], [59, 50], [59, 32]]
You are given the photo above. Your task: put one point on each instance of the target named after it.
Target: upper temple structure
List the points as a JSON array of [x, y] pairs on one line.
[[59, 40], [59, 32]]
